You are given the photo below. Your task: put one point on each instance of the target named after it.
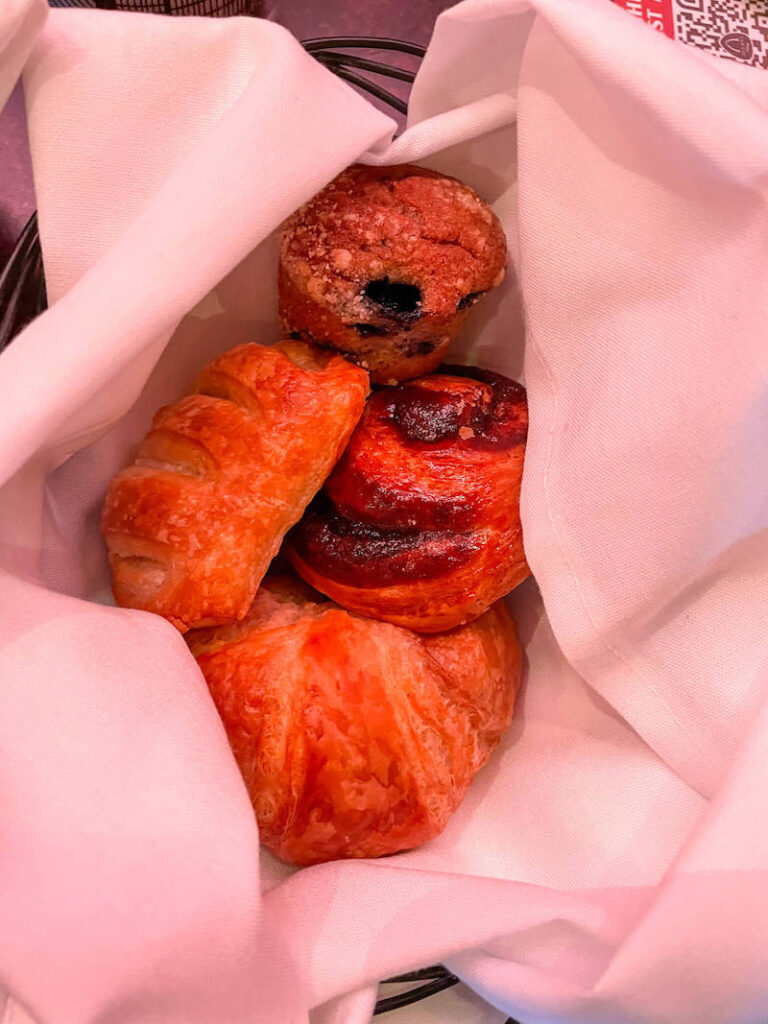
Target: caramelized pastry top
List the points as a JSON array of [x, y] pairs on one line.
[[429, 480]]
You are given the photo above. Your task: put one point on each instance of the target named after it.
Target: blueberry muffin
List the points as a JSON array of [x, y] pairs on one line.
[[384, 265]]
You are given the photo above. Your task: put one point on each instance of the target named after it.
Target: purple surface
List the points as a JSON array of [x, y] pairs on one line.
[[305, 18], [16, 193]]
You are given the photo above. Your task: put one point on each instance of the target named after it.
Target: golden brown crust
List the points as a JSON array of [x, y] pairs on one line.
[[384, 265], [419, 523], [356, 738], [192, 525]]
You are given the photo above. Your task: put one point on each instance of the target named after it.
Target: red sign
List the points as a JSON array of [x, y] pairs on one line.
[[657, 13]]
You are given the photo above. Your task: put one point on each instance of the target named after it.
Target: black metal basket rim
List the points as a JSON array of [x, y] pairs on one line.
[[363, 43]]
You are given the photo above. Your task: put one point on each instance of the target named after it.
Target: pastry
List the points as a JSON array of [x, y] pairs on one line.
[[419, 524], [355, 738], [384, 265], [192, 525]]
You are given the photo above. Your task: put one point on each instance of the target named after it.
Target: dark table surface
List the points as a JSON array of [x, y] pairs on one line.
[[305, 18]]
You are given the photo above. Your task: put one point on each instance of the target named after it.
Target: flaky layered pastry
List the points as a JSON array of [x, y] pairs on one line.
[[194, 522]]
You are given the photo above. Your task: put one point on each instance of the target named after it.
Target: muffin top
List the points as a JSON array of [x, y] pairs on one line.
[[383, 244]]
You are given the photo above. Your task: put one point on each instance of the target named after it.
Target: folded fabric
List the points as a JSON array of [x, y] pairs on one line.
[[609, 864]]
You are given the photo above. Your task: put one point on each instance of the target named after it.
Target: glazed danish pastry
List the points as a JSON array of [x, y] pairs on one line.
[[193, 524], [384, 265], [355, 738], [419, 523]]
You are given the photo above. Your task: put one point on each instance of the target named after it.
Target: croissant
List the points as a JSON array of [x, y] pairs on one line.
[[355, 738], [192, 525], [419, 523]]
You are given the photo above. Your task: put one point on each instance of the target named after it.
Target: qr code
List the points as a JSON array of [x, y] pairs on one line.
[[735, 29]]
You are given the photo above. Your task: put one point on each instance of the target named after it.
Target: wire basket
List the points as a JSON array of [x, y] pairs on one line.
[[210, 8], [23, 294]]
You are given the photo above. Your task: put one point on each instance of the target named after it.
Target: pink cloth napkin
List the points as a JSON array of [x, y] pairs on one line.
[[610, 863]]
